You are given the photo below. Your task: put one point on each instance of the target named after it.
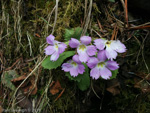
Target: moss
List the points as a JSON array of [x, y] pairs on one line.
[[24, 28]]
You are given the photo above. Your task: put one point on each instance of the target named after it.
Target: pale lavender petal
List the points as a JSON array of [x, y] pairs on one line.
[[74, 71], [102, 55], [83, 57], [105, 73], [73, 43], [118, 46], [66, 67], [61, 47], [92, 62], [91, 50], [81, 68], [94, 73], [100, 43], [110, 53], [85, 40], [50, 39], [54, 56], [49, 50], [76, 59], [112, 65]]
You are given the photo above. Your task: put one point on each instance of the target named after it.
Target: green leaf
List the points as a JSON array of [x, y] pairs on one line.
[[73, 33], [7, 77], [85, 81], [114, 74], [68, 34], [77, 33], [78, 78], [111, 0], [47, 64]]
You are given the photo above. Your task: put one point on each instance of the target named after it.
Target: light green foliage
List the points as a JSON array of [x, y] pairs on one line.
[[7, 77], [73, 33], [47, 64]]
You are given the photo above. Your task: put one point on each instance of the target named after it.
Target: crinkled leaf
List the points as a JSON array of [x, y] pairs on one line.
[[77, 33], [85, 81], [7, 77], [73, 33], [114, 74], [68, 34], [47, 64]]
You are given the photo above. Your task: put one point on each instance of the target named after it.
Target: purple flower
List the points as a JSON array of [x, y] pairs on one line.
[[100, 67], [74, 66], [112, 47], [83, 50], [55, 48]]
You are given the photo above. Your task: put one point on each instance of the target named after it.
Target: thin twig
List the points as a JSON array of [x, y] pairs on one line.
[[126, 14], [88, 18], [59, 95], [56, 12], [94, 90]]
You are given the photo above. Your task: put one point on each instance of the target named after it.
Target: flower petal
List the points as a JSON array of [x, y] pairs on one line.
[[118, 46], [105, 73], [61, 47], [102, 55], [73, 43], [66, 67], [112, 65], [74, 71], [54, 56], [85, 40], [50, 39], [76, 59], [100, 43], [110, 53], [83, 56], [49, 50], [91, 50], [94, 73], [81, 68], [92, 62]]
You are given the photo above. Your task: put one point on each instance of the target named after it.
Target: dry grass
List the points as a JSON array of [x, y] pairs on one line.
[[24, 26]]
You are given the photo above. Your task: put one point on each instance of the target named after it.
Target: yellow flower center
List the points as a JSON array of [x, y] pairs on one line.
[[82, 47], [74, 64], [101, 64], [56, 46], [108, 43]]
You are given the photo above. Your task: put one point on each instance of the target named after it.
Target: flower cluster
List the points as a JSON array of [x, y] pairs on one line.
[[98, 57]]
